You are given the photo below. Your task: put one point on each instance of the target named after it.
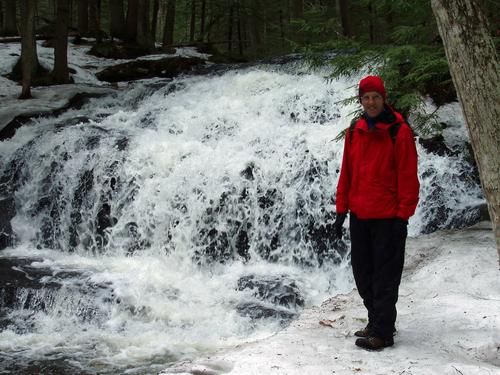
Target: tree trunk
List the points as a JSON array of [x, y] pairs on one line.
[[29, 59], [192, 27], [168, 32], [2, 17], [202, 20], [345, 18], [154, 22], [94, 24], [10, 18], [238, 28], [230, 27], [143, 37], [83, 17], [132, 19], [255, 27], [297, 8], [117, 19], [61, 73], [370, 22], [475, 71]]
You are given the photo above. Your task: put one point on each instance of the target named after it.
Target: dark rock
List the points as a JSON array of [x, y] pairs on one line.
[[141, 69], [281, 291], [41, 76], [436, 146], [278, 298], [257, 311], [7, 212], [76, 102], [248, 172], [111, 50]]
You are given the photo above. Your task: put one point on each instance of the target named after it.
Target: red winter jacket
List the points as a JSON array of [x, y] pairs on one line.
[[378, 178]]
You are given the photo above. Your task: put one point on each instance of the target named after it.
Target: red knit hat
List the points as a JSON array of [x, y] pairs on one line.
[[372, 83]]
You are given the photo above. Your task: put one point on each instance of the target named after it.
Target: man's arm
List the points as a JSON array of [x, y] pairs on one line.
[[406, 164], [343, 185]]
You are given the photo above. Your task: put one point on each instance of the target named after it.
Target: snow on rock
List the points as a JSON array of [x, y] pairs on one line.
[[50, 98], [448, 322], [45, 100]]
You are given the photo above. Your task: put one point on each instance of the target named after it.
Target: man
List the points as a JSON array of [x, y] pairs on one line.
[[379, 187]]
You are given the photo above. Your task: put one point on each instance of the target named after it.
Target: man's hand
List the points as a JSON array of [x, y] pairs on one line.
[[337, 226]]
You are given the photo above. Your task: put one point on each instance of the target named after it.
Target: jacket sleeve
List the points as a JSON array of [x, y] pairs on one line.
[[406, 164], [344, 181]]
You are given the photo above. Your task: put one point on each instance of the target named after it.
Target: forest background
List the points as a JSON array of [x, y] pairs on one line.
[[397, 39]]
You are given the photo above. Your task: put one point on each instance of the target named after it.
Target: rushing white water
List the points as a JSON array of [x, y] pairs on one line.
[[161, 213]]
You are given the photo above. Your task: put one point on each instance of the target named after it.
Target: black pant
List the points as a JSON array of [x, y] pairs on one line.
[[377, 257]]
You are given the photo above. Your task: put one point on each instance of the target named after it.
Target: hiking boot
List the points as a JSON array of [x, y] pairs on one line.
[[366, 332], [374, 343]]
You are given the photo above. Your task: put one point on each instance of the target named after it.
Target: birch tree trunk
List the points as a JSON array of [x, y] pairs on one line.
[[474, 68]]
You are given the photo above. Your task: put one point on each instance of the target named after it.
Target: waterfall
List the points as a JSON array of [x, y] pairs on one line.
[[180, 217]]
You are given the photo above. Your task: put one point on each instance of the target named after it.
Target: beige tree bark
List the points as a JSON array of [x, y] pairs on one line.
[[474, 68]]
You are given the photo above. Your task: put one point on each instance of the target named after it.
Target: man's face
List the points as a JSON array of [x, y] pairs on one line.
[[373, 103]]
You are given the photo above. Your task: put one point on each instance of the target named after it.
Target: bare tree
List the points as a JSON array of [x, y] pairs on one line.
[[192, 27], [345, 17], [117, 19], [61, 73], [154, 21], [29, 59], [297, 8], [202, 20], [94, 19], [10, 27], [143, 37], [474, 68], [168, 31], [2, 17], [83, 17], [132, 19]]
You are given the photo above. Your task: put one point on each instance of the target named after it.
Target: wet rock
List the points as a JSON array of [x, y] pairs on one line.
[[141, 69], [276, 297], [112, 50], [436, 146], [26, 287], [7, 212], [281, 291], [76, 102], [257, 311]]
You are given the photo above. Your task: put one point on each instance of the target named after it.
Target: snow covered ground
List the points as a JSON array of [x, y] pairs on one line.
[[448, 323], [49, 98]]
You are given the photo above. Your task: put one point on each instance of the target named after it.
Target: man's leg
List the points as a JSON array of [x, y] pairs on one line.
[[389, 237], [361, 260]]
